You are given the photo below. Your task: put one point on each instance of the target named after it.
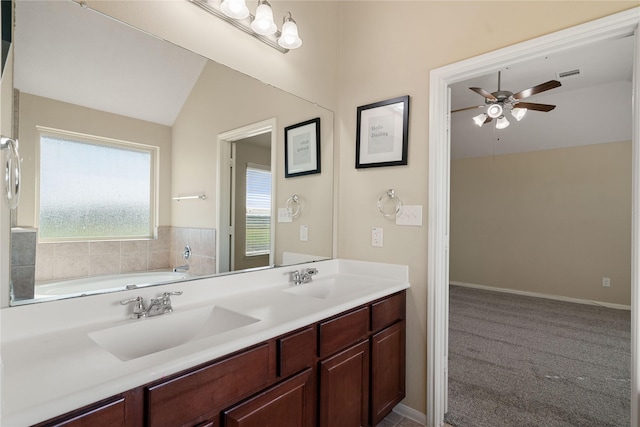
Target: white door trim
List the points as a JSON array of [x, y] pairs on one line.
[[621, 24], [223, 187]]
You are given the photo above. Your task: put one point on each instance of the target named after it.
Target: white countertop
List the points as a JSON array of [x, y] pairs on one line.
[[51, 366]]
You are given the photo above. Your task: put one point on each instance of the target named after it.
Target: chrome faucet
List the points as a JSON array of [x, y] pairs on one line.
[[303, 276], [157, 306]]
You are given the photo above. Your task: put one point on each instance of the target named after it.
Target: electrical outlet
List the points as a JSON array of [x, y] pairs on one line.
[[304, 233], [606, 282], [376, 237]]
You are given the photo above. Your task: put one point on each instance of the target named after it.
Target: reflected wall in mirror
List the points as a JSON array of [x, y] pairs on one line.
[[95, 79]]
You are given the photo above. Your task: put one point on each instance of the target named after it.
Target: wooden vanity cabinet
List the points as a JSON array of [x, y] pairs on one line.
[[388, 344], [347, 371], [287, 404]]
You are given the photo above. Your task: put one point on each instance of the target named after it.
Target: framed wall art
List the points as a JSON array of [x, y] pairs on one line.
[[302, 148], [382, 133]]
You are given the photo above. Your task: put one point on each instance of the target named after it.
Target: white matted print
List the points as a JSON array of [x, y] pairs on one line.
[[302, 148], [382, 133]]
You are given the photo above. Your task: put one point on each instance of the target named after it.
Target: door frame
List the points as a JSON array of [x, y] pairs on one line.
[[617, 25], [224, 224]]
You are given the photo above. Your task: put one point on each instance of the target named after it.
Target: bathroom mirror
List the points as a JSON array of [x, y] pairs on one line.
[[84, 78]]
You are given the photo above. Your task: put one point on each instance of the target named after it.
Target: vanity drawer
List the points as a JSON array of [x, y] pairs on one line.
[[339, 332], [387, 311], [197, 393], [296, 351], [108, 414]]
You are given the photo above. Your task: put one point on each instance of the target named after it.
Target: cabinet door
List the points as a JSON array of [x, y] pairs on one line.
[[387, 370], [344, 388], [288, 404]]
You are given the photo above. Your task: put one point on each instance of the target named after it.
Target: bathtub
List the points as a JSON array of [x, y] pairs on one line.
[[102, 284]]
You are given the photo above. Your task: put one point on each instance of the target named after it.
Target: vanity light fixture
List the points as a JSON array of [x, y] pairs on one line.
[[260, 26], [236, 9], [263, 22], [289, 38]]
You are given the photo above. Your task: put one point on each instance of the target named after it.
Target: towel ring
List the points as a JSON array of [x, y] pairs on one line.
[[382, 200], [12, 174], [293, 206]]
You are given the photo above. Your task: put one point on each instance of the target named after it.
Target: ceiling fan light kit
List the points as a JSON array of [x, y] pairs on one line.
[[498, 102]]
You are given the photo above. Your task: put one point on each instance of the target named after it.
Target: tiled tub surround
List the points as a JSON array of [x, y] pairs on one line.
[[23, 261], [59, 261], [44, 343]]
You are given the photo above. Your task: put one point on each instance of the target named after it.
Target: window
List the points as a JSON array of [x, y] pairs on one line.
[[258, 217], [94, 188]]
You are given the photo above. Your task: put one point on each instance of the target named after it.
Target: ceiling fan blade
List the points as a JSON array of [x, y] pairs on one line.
[[534, 106], [551, 84], [487, 120], [484, 93], [468, 108]]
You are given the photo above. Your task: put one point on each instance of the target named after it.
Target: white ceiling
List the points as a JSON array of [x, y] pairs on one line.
[[592, 108], [73, 54]]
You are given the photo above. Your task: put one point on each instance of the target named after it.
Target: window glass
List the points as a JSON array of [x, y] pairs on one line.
[[258, 217], [93, 189]]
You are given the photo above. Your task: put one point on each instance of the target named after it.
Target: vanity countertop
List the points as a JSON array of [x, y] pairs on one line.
[[50, 365]]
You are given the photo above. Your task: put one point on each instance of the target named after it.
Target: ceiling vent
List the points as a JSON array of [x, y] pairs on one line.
[[570, 73]]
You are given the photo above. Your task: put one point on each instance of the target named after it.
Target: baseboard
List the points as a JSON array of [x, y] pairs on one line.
[[539, 295], [410, 413]]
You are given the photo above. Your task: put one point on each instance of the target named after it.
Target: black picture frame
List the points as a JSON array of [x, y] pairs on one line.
[[302, 148], [382, 137]]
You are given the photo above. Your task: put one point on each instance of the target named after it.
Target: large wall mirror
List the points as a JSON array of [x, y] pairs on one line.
[[121, 136]]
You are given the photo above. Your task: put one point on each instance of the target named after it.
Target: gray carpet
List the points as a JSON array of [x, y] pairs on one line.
[[517, 361]]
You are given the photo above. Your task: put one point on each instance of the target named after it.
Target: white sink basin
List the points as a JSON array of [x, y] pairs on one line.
[[334, 287], [146, 336]]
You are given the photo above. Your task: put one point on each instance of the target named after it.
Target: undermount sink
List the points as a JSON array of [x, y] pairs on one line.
[[147, 336], [331, 288]]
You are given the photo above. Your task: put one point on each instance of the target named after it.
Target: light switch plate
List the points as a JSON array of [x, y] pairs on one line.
[[376, 237], [410, 215], [304, 233], [283, 215]]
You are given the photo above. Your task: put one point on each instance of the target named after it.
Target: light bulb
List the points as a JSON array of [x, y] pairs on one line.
[[263, 22], [236, 9], [289, 38], [480, 119], [518, 113], [502, 122], [494, 111]]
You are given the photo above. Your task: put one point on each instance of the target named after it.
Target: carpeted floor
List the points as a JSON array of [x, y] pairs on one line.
[[517, 361]]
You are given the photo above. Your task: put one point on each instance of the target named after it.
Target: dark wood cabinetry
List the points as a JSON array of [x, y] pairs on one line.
[[288, 404], [387, 370], [344, 388], [347, 371]]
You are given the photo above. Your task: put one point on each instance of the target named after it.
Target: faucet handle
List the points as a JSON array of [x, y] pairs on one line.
[[311, 271], [166, 300], [139, 310], [168, 294]]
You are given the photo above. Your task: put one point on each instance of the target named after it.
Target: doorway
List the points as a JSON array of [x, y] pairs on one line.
[[622, 24], [245, 228]]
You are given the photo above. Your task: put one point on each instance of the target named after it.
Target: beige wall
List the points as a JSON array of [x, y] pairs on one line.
[[553, 222], [223, 100], [387, 49], [38, 111]]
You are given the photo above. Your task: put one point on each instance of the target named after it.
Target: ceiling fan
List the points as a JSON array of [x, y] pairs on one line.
[[501, 101]]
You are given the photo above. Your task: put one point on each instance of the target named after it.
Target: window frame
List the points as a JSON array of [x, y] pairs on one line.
[[83, 138]]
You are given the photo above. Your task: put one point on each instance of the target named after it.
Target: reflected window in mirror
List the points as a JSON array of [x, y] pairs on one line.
[[258, 212], [94, 189]]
